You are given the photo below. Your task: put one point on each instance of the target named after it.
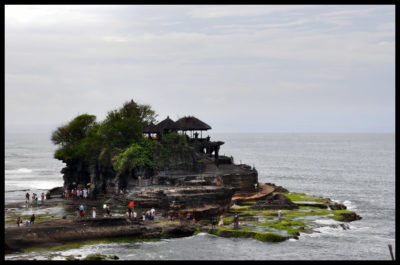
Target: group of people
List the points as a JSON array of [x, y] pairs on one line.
[[189, 219], [21, 222], [35, 197], [148, 215], [75, 194], [81, 211]]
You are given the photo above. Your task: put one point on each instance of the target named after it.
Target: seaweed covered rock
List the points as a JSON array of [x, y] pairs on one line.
[[346, 216]]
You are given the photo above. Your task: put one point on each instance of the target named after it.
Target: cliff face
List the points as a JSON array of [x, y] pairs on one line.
[[187, 180]]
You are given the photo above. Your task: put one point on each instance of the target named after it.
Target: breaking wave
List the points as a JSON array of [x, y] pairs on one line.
[[19, 171]]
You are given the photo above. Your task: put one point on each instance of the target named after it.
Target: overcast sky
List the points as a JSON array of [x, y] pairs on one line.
[[238, 68]]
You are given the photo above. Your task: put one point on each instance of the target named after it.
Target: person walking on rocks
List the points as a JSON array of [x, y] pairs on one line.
[[27, 197], [108, 210], [81, 211], [42, 196], [143, 217], [221, 221], [188, 217], [94, 212], [85, 193], [236, 221], [152, 214], [19, 221], [130, 209], [213, 221], [33, 219]]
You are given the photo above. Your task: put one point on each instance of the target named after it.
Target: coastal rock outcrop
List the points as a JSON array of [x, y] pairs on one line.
[[275, 202], [67, 231]]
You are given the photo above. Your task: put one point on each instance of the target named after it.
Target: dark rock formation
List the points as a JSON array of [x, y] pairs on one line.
[[279, 189], [190, 178], [337, 206], [313, 204], [349, 217], [201, 201], [56, 192], [61, 231], [275, 202]]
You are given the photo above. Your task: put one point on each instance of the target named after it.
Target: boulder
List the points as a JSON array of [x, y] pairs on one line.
[[275, 202]]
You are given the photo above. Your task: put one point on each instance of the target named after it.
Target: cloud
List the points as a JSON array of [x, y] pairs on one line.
[[255, 62], [239, 11]]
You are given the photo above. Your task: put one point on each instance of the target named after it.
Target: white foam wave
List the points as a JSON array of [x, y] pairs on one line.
[[350, 206], [19, 171], [326, 222], [328, 230]]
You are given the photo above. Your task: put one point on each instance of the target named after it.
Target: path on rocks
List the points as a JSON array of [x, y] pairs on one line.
[[263, 191]]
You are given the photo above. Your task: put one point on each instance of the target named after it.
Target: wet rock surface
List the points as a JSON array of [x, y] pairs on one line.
[[275, 202], [50, 234]]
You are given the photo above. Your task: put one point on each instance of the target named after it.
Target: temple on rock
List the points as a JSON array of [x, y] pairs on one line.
[[182, 126]]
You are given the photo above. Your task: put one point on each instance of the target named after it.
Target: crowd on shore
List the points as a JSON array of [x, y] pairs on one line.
[[35, 198], [75, 193], [146, 215]]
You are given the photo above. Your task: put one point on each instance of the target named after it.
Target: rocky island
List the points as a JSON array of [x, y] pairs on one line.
[[171, 167]]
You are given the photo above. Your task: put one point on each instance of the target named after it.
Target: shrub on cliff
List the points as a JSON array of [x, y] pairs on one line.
[[85, 140], [71, 137]]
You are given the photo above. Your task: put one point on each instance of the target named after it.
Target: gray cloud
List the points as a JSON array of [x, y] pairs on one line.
[[238, 68]]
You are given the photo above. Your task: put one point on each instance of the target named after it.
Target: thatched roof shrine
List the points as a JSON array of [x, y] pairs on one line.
[[151, 128], [165, 125], [191, 123]]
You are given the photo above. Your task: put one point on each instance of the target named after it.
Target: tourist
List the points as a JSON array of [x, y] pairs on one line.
[[104, 208], [152, 214], [18, 221], [27, 223], [84, 193], [130, 208], [221, 221], [108, 210], [42, 196], [193, 221], [279, 214], [67, 194], [143, 217], [188, 217], [81, 211], [94, 212], [134, 215], [27, 197], [33, 219], [147, 215], [236, 221], [213, 221], [35, 197]]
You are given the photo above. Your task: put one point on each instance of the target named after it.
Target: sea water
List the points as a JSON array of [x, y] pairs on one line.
[[355, 169]]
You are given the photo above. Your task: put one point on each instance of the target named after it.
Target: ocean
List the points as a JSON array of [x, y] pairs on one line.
[[355, 169]]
